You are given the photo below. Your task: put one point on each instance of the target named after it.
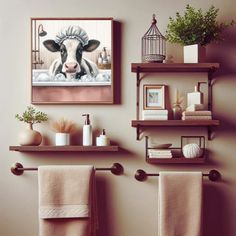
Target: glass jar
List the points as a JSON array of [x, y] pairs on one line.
[[177, 111]]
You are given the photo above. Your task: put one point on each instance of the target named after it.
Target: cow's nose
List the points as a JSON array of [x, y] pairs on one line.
[[71, 66]]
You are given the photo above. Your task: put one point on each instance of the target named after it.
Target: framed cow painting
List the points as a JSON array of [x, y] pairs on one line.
[[72, 61]]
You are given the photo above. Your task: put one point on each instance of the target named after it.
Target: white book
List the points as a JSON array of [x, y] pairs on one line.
[[155, 117], [196, 117], [195, 107], [151, 156], [159, 152], [197, 113], [155, 112]]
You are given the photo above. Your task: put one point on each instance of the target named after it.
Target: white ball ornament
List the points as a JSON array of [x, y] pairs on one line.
[[192, 150]]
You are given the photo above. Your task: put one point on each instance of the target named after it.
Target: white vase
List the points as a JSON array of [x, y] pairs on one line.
[[29, 137], [62, 139], [194, 54]]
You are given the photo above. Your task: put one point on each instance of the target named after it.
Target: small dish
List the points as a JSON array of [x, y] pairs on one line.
[[160, 146]]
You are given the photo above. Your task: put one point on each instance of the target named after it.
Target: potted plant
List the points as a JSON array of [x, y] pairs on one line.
[[31, 116], [63, 129], [194, 30]]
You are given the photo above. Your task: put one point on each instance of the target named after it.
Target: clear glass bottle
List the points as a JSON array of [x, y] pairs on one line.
[[177, 111]]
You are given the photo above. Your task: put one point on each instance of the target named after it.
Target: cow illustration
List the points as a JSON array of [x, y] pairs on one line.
[[71, 42]]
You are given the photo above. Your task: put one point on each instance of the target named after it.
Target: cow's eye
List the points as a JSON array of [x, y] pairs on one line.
[[62, 50]]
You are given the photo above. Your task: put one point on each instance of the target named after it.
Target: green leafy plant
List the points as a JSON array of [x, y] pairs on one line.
[[196, 27], [32, 116]]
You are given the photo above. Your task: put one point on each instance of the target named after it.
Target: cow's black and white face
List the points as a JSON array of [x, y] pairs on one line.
[[71, 51], [71, 55]]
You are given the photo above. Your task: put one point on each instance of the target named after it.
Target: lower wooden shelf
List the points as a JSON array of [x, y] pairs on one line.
[[64, 148], [176, 160]]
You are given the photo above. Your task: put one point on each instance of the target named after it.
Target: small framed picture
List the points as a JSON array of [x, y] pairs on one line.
[[153, 97]]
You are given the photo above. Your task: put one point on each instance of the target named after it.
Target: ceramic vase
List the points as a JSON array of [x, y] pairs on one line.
[[194, 54], [29, 137]]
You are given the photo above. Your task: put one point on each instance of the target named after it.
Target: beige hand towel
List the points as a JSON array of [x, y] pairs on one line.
[[66, 200], [180, 203]]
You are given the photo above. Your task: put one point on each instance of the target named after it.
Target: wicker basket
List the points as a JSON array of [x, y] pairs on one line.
[[104, 66]]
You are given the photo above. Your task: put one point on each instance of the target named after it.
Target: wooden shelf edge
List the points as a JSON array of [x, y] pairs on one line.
[[174, 67], [142, 123], [64, 148], [179, 160]]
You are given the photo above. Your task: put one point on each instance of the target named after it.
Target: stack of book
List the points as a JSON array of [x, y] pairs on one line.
[[195, 107], [155, 115], [197, 115], [159, 153]]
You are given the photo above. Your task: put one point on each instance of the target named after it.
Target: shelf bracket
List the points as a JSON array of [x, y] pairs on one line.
[[137, 92], [209, 133], [138, 132], [210, 76]]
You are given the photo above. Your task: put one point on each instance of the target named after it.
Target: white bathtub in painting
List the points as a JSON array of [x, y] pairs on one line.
[[42, 78]]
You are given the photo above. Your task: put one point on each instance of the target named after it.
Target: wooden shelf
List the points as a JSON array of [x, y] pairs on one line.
[[176, 160], [176, 123], [64, 148], [174, 67]]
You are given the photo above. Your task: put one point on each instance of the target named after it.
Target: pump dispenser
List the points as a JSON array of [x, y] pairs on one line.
[[195, 97], [102, 140], [87, 132]]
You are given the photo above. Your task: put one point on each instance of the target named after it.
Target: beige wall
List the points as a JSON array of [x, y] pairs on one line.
[[127, 207]]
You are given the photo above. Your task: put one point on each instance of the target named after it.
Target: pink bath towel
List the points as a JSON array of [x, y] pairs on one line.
[[66, 200], [180, 204]]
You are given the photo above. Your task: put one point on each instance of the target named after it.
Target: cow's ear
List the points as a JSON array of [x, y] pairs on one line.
[[51, 45], [91, 46]]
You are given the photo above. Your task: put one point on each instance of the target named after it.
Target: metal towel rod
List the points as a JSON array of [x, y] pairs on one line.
[[18, 169], [141, 175]]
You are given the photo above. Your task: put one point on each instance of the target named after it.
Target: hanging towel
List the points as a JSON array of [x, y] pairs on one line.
[[180, 204], [66, 200]]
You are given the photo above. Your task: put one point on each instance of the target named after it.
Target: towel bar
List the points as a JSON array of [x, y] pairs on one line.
[[141, 175], [18, 169]]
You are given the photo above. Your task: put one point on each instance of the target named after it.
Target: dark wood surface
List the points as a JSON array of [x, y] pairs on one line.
[[179, 160], [64, 148], [180, 123], [174, 67]]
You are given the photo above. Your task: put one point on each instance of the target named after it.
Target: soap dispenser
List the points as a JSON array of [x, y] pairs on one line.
[[195, 97], [87, 132], [102, 140]]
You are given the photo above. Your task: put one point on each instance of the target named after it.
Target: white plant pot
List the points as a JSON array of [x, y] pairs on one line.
[[62, 139], [194, 54]]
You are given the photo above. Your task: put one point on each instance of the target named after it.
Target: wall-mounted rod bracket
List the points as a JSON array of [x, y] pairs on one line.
[[18, 169], [141, 175]]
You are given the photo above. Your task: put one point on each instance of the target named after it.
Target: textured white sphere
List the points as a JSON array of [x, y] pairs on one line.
[[192, 150]]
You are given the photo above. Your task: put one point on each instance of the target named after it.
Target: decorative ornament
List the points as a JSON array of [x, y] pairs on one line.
[[153, 44], [192, 150]]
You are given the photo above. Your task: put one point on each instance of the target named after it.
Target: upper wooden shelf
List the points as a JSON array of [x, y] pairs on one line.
[[180, 123], [64, 148], [174, 67]]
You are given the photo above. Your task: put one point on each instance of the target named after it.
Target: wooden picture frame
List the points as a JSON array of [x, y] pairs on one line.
[[153, 97], [72, 61]]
